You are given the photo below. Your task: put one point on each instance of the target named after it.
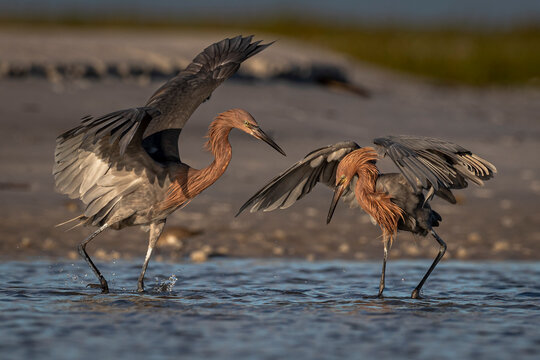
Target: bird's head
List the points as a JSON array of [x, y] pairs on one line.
[[243, 121], [348, 167], [344, 175]]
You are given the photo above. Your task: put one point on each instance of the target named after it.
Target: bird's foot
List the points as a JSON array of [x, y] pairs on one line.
[[104, 289], [416, 294]]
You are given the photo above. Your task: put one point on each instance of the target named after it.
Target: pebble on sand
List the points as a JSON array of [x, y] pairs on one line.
[[171, 241], [474, 237], [101, 254], [48, 244], [198, 256], [207, 249], [202, 254], [173, 236], [25, 242], [280, 234], [501, 246], [462, 253], [411, 250], [360, 255], [344, 248]]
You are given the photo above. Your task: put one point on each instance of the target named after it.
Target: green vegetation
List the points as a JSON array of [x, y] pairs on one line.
[[453, 56]]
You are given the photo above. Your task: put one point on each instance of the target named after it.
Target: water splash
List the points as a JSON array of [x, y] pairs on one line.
[[166, 285]]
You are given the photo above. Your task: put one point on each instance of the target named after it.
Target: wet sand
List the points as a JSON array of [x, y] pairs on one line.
[[498, 221]]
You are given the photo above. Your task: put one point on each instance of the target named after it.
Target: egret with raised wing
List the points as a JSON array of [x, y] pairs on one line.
[[396, 201], [125, 166]]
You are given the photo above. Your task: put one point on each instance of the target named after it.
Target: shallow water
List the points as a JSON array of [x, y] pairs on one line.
[[270, 310]]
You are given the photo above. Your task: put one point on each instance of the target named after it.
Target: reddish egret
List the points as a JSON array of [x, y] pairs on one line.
[[428, 167], [125, 166]]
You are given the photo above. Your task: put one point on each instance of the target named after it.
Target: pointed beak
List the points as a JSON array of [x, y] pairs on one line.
[[259, 134], [337, 195]]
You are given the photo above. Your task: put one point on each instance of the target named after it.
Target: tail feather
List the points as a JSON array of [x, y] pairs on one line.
[[71, 220]]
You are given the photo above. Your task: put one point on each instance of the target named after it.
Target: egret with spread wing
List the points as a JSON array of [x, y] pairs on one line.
[[125, 166], [397, 201]]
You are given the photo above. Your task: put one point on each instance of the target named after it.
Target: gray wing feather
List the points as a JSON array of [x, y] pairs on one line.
[[284, 190], [118, 127], [429, 162], [91, 161], [178, 98]]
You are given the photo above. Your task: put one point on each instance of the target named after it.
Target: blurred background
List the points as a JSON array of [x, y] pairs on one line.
[[467, 71], [475, 42]]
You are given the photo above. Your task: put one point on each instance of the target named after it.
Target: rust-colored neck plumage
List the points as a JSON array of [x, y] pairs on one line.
[[377, 204], [191, 182]]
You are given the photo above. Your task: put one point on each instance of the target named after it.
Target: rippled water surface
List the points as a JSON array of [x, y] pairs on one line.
[[270, 310]]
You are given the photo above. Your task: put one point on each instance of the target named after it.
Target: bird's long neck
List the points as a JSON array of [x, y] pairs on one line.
[[218, 144], [191, 182], [377, 204]]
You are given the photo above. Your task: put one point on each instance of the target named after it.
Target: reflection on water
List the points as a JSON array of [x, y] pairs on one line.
[[270, 309]]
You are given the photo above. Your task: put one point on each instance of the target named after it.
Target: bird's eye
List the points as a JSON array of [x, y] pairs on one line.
[[342, 179], [246, 123]]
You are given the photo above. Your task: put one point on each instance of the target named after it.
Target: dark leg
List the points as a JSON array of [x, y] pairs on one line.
[[381, 284], [442, 250], [155, 232], [82, 250]]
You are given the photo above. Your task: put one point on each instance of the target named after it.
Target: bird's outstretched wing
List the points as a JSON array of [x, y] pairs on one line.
[[171, 106], [119, 127], [178, 98], [91, 161], [284, 190], [434, 164]]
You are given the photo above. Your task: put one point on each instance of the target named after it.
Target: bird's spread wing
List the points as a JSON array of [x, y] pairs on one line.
[[119, 127], [91, 161], [434, 164], [178, 98], [172, 105], [318, 166]]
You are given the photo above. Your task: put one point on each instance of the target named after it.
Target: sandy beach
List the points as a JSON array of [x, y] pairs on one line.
[[498, 221]]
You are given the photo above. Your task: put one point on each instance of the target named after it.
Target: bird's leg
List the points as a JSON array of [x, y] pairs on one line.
[[383, 273], [82, 250], [155, 232], [442, 250]]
